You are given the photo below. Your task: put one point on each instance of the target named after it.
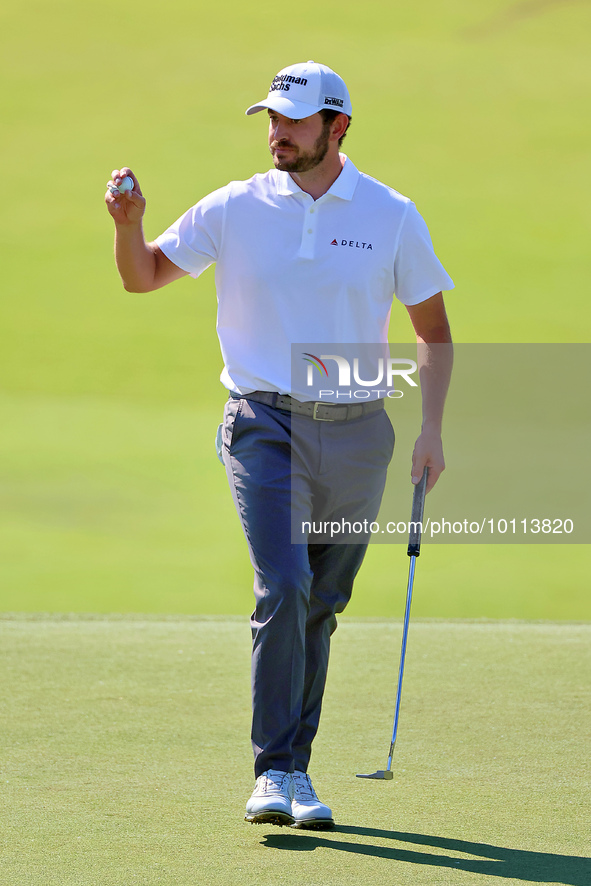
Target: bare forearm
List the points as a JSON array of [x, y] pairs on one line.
[[135, 259], [142, 266], [435, 361]]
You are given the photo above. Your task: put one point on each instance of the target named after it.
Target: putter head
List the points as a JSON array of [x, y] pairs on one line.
[[384, 774]]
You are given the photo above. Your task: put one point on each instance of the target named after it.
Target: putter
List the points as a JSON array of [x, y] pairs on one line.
[[414, 549]]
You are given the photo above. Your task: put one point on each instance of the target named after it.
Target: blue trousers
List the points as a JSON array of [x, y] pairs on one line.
[[283, 471]]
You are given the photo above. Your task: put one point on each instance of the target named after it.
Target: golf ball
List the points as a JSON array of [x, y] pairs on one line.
[[126, 184]]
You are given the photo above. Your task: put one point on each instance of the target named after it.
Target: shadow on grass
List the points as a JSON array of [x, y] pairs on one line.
[[496, 861]]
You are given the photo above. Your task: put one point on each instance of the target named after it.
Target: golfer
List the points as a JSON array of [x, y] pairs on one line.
[[311, 251]]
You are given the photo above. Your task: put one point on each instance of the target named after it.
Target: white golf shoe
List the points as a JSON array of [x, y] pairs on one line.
[[306, 808], [270, 802]]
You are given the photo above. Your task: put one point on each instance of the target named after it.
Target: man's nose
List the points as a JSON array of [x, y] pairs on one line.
[[279, 131]]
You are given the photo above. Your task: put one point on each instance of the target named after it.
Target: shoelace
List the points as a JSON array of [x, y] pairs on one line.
[[303, 786], [276, 780]]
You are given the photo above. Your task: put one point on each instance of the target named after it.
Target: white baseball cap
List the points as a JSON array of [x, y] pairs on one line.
[[304, 89]]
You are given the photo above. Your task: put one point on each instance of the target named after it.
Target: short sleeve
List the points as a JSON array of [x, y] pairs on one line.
[[193, 241], [418, 273]]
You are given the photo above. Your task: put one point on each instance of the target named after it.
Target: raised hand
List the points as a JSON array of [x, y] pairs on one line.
[[127, 208]]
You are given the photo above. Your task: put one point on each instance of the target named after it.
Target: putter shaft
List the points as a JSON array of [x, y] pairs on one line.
[[414, 549], [411, 575]]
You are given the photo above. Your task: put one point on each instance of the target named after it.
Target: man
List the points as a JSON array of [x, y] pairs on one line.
[[312, 250]]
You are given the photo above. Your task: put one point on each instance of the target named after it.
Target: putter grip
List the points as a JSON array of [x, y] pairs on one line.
[[416, 519]]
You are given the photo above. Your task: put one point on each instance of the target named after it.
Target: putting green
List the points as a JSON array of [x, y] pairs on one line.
[[125, 756]]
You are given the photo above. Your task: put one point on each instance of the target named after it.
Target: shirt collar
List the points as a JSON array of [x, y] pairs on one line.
[[343, 187]]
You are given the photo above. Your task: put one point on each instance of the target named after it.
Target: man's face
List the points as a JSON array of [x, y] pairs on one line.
[[297, 145]]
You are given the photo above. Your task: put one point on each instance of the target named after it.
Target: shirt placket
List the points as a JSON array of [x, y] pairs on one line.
[[308, 243]]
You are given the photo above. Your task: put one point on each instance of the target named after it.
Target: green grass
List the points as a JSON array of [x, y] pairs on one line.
[[125, 756], [110, 497]]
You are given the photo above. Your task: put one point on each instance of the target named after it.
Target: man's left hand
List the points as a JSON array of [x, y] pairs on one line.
[[428, 452]]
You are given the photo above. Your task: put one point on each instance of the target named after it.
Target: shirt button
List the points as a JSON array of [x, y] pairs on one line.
[[312, 209], [310, 231]]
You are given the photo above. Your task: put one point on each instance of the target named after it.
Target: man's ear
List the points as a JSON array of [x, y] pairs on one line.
[[339, 127]]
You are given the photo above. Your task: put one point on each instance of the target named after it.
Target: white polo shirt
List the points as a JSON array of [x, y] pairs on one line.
[[290, 269]]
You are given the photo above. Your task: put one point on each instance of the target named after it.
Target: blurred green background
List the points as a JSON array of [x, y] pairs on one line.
[[112, 498]]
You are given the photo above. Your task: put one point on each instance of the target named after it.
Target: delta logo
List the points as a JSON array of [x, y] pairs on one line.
[[352, 244]]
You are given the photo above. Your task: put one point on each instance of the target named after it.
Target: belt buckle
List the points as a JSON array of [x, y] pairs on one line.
[[315, 412]]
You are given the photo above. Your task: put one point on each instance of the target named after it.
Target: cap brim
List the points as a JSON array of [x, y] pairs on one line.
[[283, 105]]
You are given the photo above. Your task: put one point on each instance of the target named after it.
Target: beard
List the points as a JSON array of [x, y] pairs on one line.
[[304, 160]]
